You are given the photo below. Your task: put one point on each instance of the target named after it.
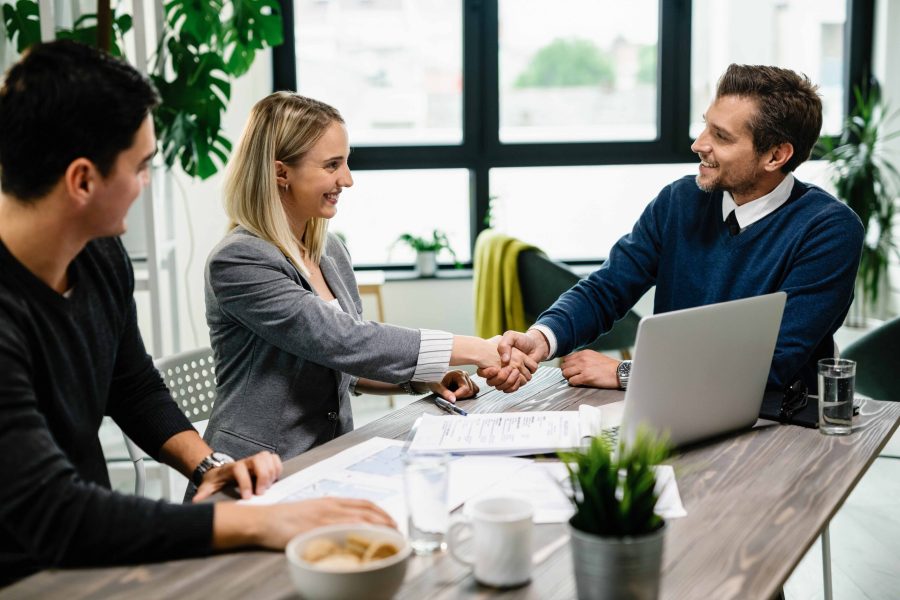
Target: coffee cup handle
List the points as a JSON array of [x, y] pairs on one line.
[[457, 525]]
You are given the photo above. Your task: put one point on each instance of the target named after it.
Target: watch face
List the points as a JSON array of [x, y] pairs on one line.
[[624, 368], [222, 458]]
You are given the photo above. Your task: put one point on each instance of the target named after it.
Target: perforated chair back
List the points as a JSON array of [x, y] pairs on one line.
[[542, 281], [191, 377]]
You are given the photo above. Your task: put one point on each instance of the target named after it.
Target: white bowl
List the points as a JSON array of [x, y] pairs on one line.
[[380, 579]]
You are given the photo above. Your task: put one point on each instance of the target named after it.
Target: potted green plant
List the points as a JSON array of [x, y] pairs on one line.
[[865, 178], [427, 250], [616, 538]]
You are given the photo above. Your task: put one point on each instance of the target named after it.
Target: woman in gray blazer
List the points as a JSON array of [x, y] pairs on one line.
[[283, 307]]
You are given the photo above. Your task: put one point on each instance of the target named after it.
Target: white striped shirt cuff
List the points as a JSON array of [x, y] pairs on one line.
[[551, 338], [434, 355]]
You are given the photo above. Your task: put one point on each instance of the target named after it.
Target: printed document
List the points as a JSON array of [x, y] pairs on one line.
[[510, 433]]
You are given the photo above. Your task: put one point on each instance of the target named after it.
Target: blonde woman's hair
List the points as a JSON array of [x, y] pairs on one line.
[[283, 126]]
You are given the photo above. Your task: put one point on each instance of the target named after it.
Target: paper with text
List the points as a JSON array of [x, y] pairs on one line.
[[512, 433]]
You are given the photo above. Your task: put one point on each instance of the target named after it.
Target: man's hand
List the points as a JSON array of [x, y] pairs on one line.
[[265, 467], [455, 384], [512, 373], [532, 343], [589, 368], [287, 520], [236, 525]]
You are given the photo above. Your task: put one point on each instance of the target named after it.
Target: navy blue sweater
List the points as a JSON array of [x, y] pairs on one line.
[[809, 248]]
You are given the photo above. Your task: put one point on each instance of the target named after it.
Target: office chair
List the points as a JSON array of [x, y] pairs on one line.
[[191, 378], [876, 361], [542, 281], [876, 356]]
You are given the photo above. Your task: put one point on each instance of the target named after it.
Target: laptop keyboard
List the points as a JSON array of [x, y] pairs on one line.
[[610, 436]]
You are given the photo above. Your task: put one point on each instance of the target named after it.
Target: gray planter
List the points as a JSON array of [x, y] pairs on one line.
[[610, 568], [426, 264]]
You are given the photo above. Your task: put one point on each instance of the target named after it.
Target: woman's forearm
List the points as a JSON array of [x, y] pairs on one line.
[[470, 350]]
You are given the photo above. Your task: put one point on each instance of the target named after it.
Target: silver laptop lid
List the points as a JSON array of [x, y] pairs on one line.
[[702, 371]]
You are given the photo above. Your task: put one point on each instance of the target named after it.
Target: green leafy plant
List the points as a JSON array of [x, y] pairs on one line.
[[867, 181], [23, 26], [437, 242], [205, 45], [614, 492]]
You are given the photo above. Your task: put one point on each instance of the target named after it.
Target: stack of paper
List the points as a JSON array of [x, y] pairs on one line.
[[509, 434]]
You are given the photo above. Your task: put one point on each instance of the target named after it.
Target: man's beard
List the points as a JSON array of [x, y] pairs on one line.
[[710, 188]]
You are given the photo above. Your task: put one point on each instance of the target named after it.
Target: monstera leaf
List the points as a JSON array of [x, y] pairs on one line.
[[206, 43], [254, 25], [23, 23], [85, 31], [190, 117]]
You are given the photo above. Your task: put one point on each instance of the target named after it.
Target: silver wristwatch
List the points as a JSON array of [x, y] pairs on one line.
[[214, 460], [623, 372]]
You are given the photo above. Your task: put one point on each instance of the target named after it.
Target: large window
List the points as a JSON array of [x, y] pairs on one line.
[[535, 116], [804, 35], [588, 78], [393, 68]]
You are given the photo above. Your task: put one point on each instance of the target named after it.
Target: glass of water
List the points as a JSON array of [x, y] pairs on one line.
[[836, 382], [425, 478]]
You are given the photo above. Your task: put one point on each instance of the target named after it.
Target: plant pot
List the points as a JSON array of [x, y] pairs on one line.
[[617, 568], [426, 264]]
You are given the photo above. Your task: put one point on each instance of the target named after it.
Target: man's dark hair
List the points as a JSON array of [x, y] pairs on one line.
[[788, 108], [64, 101]]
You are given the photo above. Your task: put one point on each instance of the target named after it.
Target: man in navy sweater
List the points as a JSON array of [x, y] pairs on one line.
[[76, 141], [744, 226]]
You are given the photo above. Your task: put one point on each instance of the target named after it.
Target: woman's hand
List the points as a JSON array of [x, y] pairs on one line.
[[264, 466], [455, 384], [512, 375]]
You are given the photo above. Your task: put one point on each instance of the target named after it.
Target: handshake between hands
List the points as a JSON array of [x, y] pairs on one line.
[[518, 356]]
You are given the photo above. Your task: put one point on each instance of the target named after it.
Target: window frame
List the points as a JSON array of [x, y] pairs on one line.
[[481, 149]]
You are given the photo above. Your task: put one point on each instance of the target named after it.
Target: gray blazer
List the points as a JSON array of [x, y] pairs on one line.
[[284, 357]]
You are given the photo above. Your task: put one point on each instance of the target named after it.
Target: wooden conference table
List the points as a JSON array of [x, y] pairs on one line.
[[756, 502]]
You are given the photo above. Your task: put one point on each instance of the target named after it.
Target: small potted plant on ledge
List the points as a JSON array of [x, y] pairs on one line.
[[427, 250], [616, 538]]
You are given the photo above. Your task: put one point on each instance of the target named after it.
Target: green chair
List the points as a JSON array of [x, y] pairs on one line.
[[876, 361], [542, 281]]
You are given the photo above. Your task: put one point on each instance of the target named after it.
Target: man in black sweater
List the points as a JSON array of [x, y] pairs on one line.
[[76, 141]]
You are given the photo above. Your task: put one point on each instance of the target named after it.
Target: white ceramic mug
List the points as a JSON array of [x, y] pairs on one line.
[[500, 553]]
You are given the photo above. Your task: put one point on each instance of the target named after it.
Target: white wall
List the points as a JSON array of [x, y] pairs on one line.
[[199, 217]]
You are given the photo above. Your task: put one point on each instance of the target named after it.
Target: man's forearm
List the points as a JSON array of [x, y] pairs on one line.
[[184, 451], [235, 526]]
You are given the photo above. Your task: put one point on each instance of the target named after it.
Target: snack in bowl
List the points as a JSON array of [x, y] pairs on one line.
[[348, 561], [356, 551]]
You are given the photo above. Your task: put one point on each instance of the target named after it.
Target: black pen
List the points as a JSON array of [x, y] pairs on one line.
[[449, 406]]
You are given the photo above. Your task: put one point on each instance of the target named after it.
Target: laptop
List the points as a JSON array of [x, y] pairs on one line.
[[699, 372]]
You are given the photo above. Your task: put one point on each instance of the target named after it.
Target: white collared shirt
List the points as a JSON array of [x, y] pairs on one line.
[[751, 212]]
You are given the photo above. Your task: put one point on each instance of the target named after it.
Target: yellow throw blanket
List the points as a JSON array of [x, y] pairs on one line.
[[498, 297]]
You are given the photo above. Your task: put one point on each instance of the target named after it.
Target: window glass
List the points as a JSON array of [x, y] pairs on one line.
[[584, 71], [392, 67], [578, 213], [804, 35], [382, 205]]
